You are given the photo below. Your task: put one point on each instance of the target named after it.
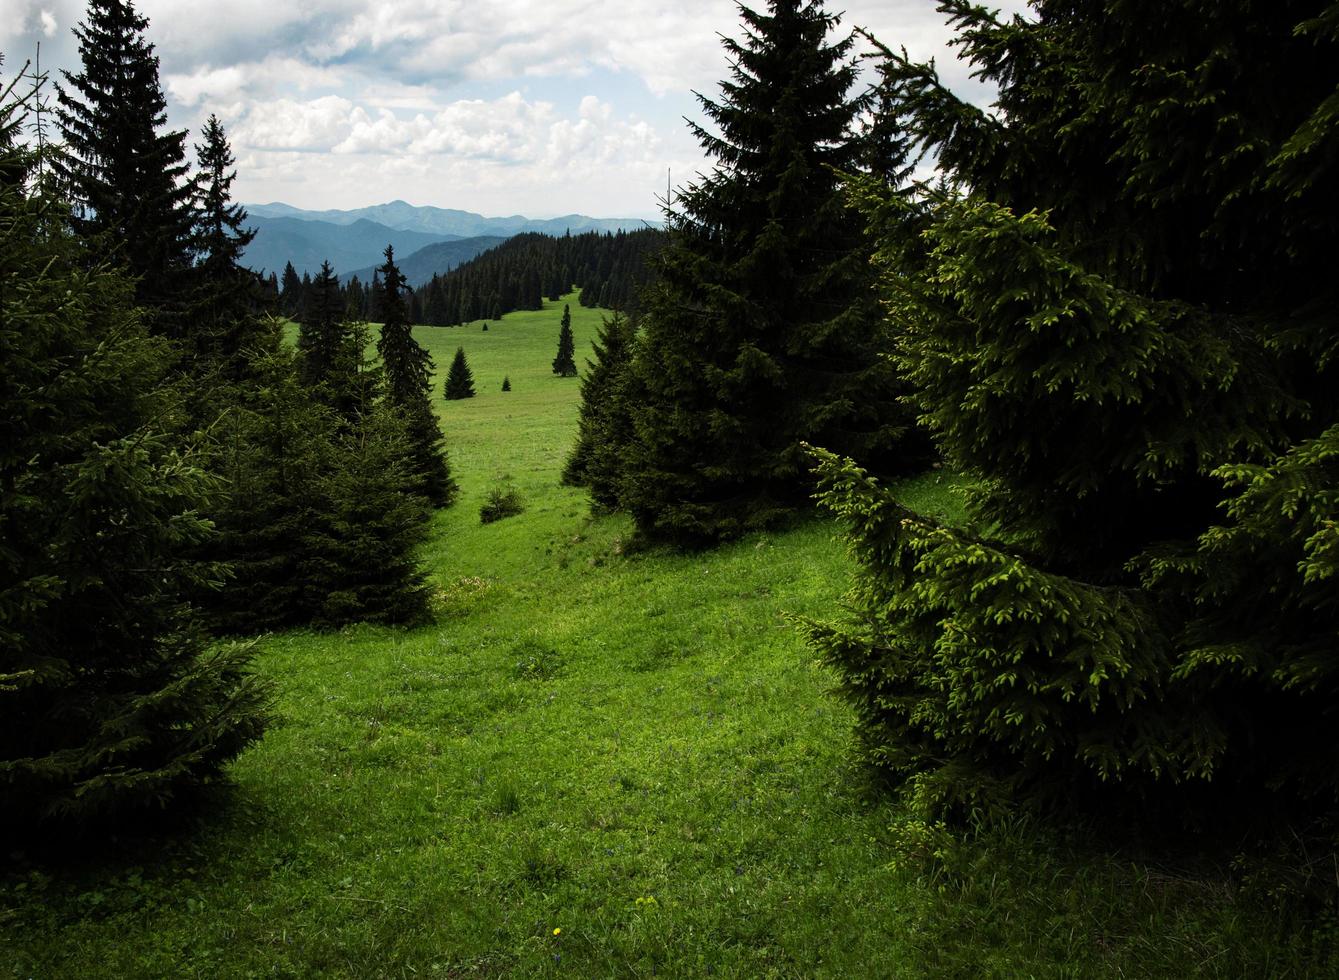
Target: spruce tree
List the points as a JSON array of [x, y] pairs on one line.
[[321, 330], [408, 374], [459, 380], [111, 703], [506, 383], [604, 425], [290, 292], [364, 563], [764, 330], [226, 318], [129, 180], [1118, 319], [564, 365]]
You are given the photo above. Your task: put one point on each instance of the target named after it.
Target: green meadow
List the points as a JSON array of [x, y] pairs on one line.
[[602, 764]]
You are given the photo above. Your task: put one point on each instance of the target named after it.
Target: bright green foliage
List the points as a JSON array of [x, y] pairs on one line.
[[1119, 321], [459, 379], [763, 330], [110, 701], [604, 427], [408, 371], [129, 181], [564, 364]]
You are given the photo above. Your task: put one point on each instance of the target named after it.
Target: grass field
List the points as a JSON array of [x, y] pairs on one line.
[[596, 764]]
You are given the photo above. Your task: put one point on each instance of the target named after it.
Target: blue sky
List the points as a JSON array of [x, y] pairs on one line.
[[500, 107]]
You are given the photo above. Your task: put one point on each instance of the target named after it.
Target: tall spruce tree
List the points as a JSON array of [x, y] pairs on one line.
[[226, 313], [290, 292], [764, 330], [321, 329], [459, 380], [564, 364], [129, 179], [111, 703], [604, 425], [1119, 319], [408, 374]]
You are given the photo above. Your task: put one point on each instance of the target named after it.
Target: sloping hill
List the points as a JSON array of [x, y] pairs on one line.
[[308, 243], [435, 259]]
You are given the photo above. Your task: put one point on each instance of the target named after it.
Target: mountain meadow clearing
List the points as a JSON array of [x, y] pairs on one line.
[[595, 764]]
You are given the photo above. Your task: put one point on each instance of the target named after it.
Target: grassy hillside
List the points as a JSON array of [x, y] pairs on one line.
[[598, 765]]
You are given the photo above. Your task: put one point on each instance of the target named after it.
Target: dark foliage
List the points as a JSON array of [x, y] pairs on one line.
[[111, 703], [604, 425], [1119, 318], [225, 314], [459, 380], [564, 364], [408, 373], [609, 268], [131, 191], [764, 328]]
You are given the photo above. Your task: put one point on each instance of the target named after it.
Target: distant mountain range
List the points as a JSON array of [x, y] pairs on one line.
[[419, 267], [309, 243], [353, 241]]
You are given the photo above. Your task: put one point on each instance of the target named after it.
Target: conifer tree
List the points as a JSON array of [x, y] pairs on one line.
[[408, 374], [290, 292], [365, 549], [111, 704], [225, 318], [321, 331], [459, 380], [564, 365], [130, 183], [604, 425], [506, 383], [1118, 319], [764, 330]]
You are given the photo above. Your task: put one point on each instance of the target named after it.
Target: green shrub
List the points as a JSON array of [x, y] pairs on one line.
[[502, 502]]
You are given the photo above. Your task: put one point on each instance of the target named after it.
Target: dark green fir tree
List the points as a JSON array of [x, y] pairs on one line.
[[290, 292], [129, 179], [604, 425], [506, 383], [564, 364], [1119, 321], [459, 380], [408, 379], [226, 317], [321, 330], [764, 330], [111, 702]]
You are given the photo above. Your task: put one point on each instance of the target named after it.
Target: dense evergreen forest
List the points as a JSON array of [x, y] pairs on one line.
[[1109, 315], [609, 268]]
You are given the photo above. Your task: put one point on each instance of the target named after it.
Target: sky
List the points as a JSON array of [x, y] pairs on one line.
[[534, 107]]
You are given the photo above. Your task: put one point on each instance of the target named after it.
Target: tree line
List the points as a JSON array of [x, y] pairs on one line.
[[1110, 310], [609, 268]]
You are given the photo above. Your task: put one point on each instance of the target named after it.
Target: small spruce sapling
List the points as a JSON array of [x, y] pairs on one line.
[[460, 380], [564, 365]]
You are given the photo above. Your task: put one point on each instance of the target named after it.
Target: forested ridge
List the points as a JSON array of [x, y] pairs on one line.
[[1061, 373]]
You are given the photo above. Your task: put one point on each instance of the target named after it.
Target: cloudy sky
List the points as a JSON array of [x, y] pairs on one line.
[[535, 107]]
